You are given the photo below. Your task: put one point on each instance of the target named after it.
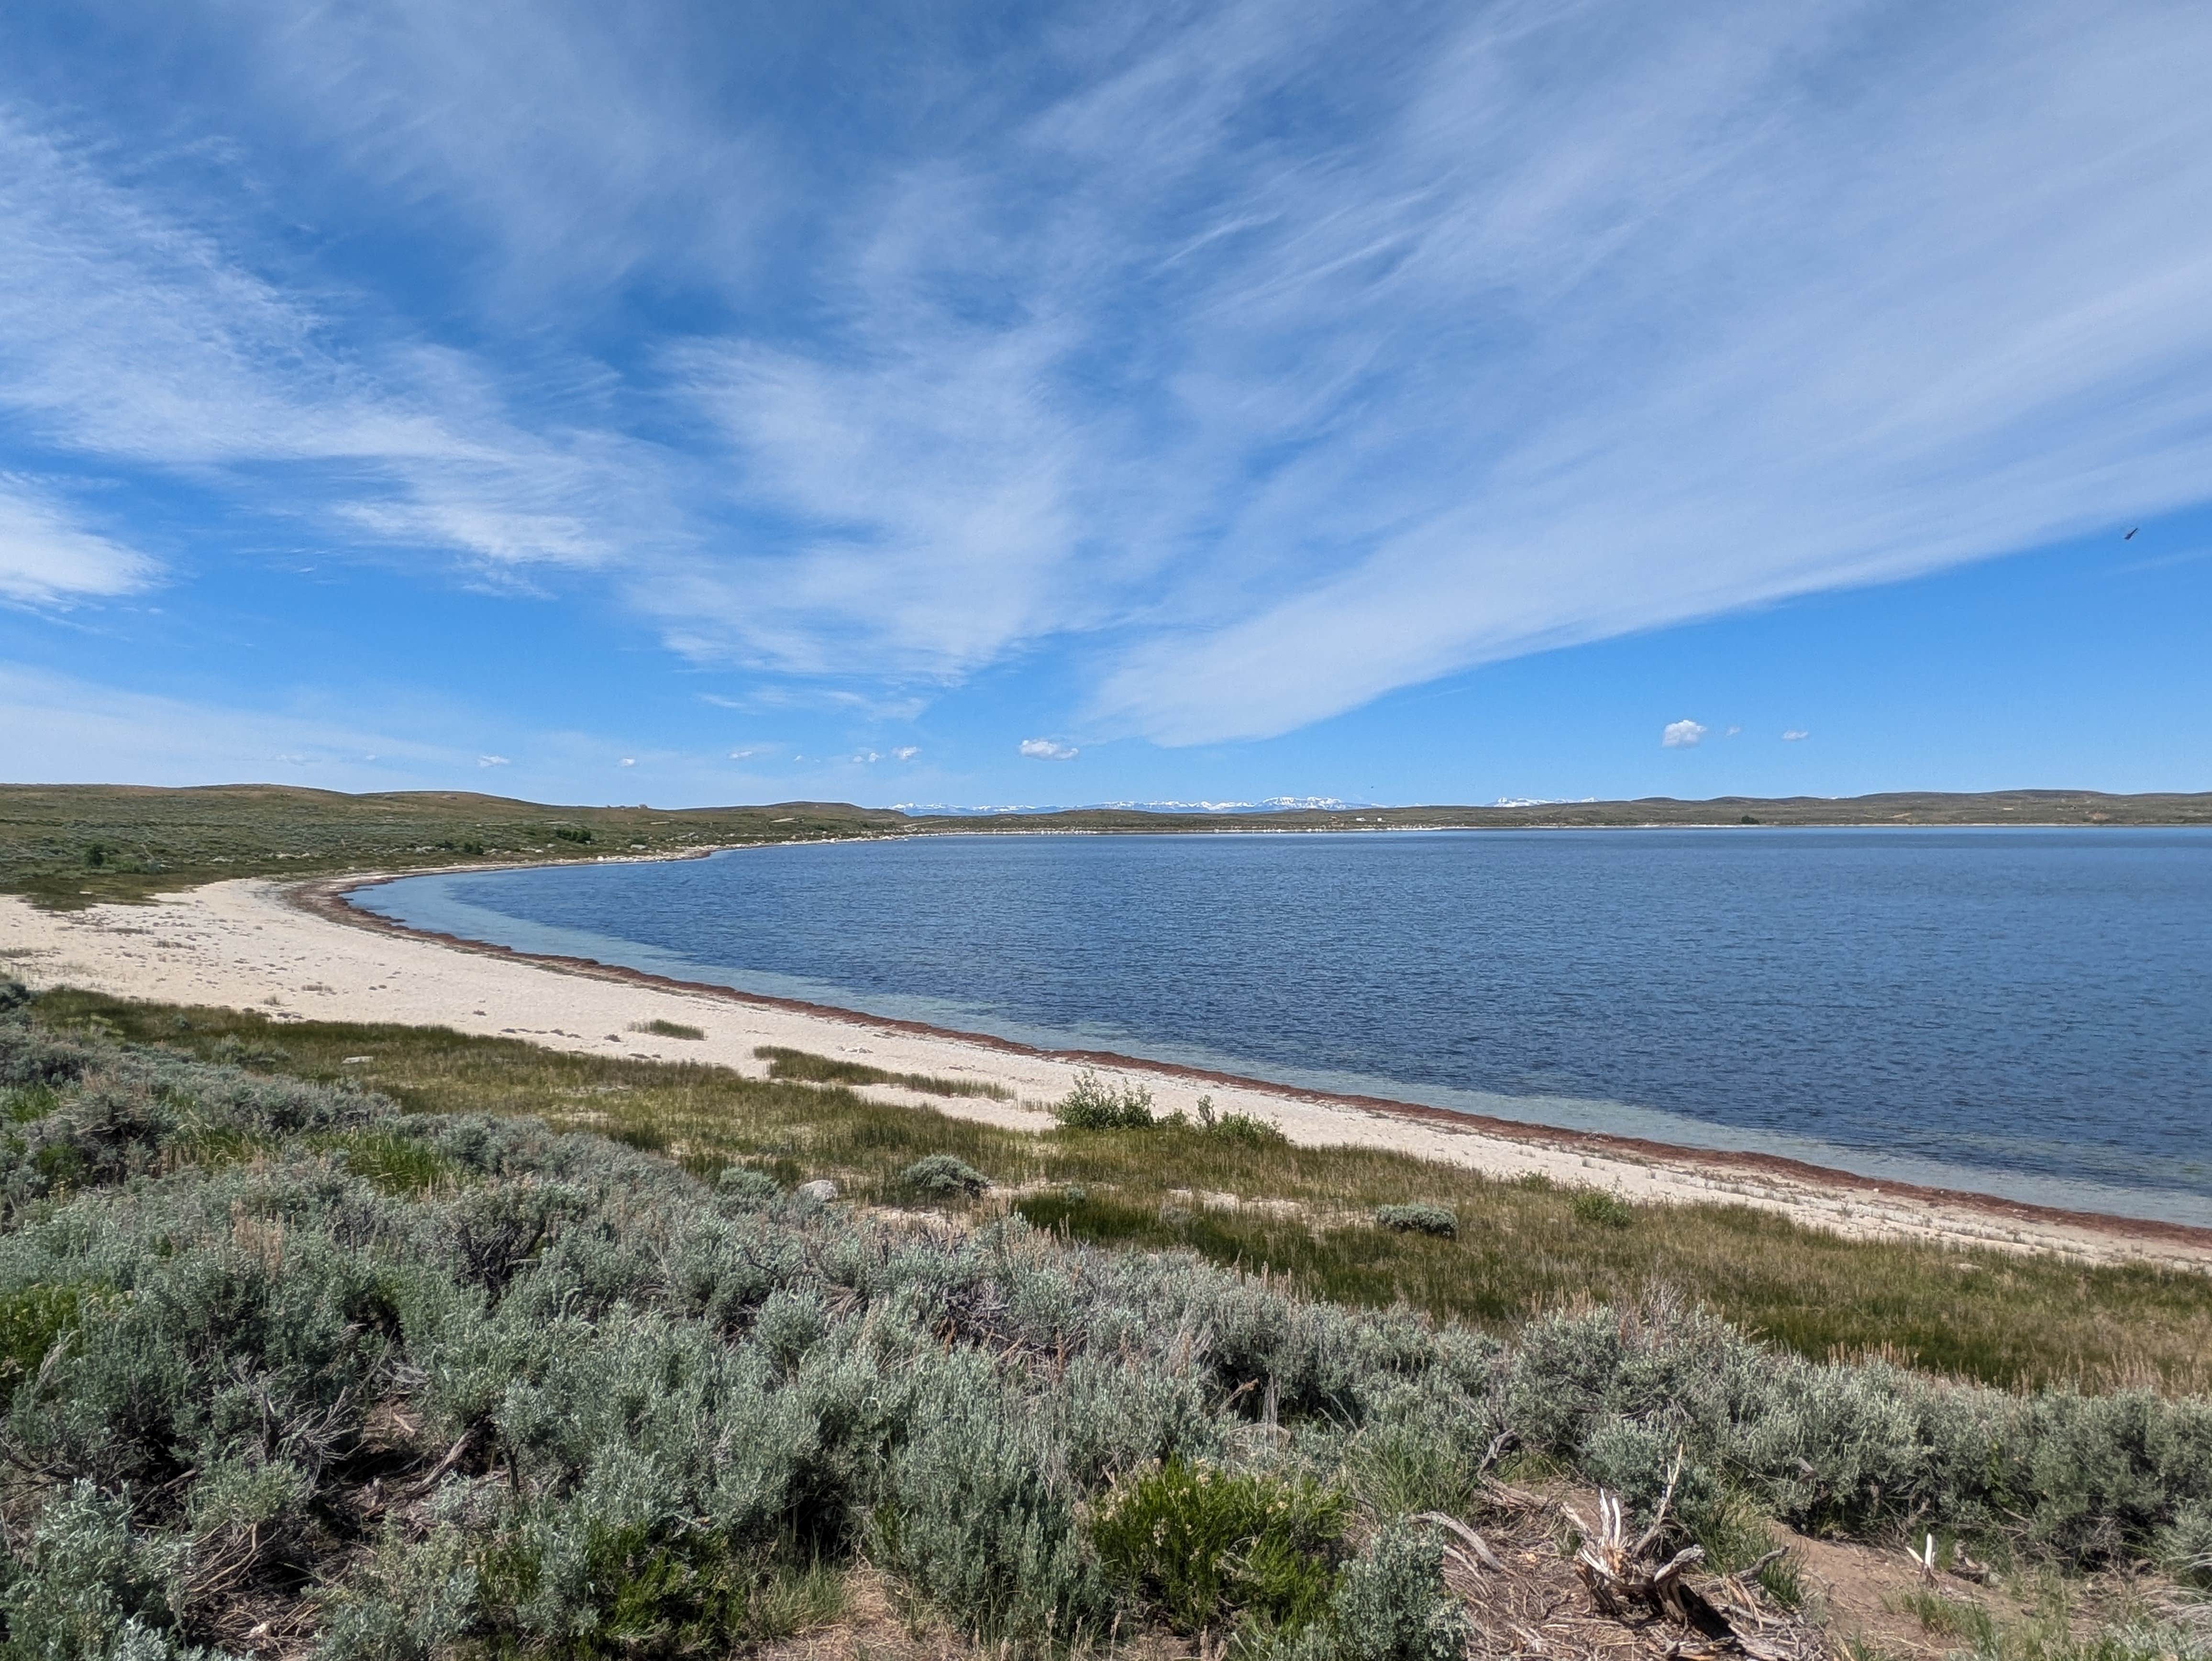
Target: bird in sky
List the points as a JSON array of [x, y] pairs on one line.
[[2130, 536]]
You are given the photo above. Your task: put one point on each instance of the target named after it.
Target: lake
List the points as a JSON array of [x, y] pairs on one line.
[[2021, 1012]]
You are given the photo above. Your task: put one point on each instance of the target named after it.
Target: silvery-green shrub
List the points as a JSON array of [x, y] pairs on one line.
[[645, 1395], [412, 1601], [1392, 1606], [1439, 1221], [2184, 1547], [942, 1177], [747, 1185], [94, 1585]]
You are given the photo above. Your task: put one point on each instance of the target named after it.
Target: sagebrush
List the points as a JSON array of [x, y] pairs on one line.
[[278, 1357]]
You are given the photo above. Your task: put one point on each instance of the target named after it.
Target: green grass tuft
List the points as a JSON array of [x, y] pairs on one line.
[[800, 1065], [1600, 1209], [666, 1029]]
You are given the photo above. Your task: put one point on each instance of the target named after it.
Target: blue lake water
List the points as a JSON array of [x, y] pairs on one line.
[[2022, 1011]]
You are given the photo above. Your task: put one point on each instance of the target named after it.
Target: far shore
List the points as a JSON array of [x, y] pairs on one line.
[[295, 951]]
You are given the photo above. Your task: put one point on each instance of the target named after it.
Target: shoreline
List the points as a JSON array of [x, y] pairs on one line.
[[329, 898], [294, 949]]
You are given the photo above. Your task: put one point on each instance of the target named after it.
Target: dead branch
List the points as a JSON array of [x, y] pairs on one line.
[[423, 1485], [1541, 1608], [1474, 1541], [1924, 1561], [1621, 1577]]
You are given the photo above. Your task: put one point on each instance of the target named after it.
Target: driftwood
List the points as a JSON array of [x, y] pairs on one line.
[[1638, 1601], [1622, 1578]]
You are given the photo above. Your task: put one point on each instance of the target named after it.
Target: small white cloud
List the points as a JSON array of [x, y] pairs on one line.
[[905, 752], [866, 757], [1045, 750], [1732, 732], [1681, 735], [491, 761], [748, 753], [1794, 735], [630, 761]]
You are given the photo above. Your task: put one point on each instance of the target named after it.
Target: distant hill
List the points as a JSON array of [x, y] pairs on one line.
[[70, 845], [1891, 807]]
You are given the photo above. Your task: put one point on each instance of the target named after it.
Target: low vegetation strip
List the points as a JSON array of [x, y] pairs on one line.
[[290, 1369], [807, 1069], [1306, 1214], [667, 1029]]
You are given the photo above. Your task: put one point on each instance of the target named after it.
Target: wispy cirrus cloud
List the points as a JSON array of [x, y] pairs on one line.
[[133, 338], [929, 493], [1542, 332], [47, 557], [448, 112]]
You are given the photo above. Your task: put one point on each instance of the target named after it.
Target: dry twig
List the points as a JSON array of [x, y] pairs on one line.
[[1474, 1541]]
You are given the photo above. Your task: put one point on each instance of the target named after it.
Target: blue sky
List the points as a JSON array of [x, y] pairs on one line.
[[1023, 405]]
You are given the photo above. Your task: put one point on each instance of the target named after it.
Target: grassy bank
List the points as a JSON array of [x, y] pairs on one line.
[[289, 1370], [75, 845], [1302, 1215]]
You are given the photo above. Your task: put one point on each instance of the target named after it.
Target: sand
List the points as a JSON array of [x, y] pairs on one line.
[[294, 951]]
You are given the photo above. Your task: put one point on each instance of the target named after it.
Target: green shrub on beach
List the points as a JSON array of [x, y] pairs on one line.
[[1439, 1221], [1242, 1127], [1097, 1103]]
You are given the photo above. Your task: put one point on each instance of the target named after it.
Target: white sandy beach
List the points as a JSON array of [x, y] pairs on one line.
[[247, 944]]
